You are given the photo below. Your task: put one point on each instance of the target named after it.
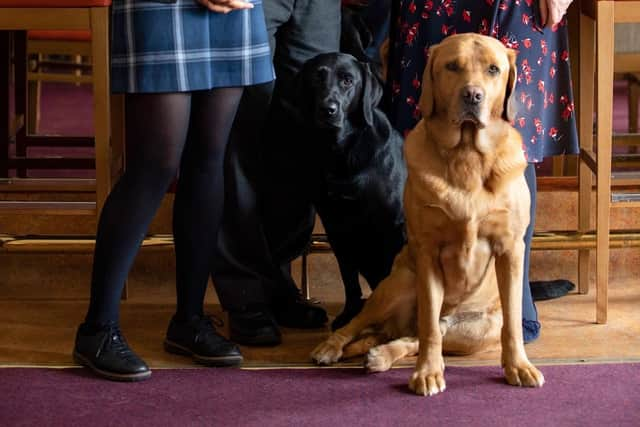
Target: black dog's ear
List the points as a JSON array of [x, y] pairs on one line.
[[371, 92], [509, 108], [299, 106]]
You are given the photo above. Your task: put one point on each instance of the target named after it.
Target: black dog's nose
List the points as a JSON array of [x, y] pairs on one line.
[[331, 108], [472, 95]]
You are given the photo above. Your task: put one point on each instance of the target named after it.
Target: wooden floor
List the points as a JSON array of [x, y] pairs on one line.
[[37, 332], [43, 297]]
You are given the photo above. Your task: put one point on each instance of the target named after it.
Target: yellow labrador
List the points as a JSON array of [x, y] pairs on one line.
[[456, 287]]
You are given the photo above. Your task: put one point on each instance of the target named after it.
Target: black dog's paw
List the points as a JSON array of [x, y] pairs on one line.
[[350, 311]]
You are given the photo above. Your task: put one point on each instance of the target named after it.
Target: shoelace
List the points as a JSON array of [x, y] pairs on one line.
[[116, 342], [206, 326]]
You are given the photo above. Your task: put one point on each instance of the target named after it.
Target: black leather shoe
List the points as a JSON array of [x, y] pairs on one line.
[[255, 327], [293, 311], [198, 338], [107, 353]]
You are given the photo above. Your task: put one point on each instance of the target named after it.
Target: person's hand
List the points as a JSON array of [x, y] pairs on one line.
[[552, 12], [225, 6], [359, 3]]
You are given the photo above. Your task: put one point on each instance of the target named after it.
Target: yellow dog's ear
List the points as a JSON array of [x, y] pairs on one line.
[[509, 109], [426, 102]]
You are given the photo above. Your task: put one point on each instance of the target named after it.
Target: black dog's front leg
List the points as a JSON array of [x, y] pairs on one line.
[[352, 293]]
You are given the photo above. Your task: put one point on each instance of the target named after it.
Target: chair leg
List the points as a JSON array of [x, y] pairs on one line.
[[304, 276], [634, 95], [101, 93], [5, 84], [558, 165], [585, 111], [34, 97], [604, 51], [20, 46]]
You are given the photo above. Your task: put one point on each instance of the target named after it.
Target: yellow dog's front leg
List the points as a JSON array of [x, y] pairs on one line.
[[517, 368], [428, 377]]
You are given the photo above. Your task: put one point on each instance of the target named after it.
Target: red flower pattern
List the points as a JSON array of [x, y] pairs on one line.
[[546, 117]]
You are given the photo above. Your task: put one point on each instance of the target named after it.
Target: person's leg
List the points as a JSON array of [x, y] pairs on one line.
[[197, 212], [530, 324], [246, 276], [153, 155], [242, 265], [243, 270], [288, 215], [199, 200], [377, 15]]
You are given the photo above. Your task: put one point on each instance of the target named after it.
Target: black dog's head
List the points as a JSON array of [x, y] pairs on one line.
[[335, 91]]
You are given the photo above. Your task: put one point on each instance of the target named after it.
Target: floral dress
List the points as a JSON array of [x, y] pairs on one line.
[[545, 118]]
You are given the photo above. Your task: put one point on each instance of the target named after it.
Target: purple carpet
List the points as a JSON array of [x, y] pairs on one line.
[[574, 395]]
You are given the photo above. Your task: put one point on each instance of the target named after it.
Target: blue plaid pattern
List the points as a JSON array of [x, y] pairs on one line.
[[181, 47]]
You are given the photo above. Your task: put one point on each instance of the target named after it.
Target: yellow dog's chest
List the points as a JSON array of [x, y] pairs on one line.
[[463, 230]]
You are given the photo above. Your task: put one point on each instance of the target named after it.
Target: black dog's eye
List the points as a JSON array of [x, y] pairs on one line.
[[493, 69], [347, 80], [452, 66]]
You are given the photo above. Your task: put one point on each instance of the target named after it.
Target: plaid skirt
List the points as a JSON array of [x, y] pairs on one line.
[[183, 47]]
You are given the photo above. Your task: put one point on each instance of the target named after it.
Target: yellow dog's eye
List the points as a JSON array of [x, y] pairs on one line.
[[452, 66], [493, 69]]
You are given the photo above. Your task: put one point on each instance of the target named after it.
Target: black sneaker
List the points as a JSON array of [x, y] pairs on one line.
[[544, 290], [254, 327], [293, 311], [107, 353], [198, 338]]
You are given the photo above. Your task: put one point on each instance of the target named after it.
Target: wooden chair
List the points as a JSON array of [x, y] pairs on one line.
[[41, 45], [597, 29], [74, 46], [626, 64], [16, 18]]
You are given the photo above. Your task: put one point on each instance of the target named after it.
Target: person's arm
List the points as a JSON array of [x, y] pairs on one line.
[[357, 3], [225, 6], [552, 11]]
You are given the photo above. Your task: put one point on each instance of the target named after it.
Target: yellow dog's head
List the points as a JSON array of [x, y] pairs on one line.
[[469, 78]]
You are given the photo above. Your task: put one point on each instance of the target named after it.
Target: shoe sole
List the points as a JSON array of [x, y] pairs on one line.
[[258, 341], [81, 360], [216, 361]]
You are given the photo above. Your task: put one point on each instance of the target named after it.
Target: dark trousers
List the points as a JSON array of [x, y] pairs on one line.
[[531, 326], [263, 226]]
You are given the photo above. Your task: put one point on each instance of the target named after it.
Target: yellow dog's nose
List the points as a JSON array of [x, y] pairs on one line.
[[472, 95]]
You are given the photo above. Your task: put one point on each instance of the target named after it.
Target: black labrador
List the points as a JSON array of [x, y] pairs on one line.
[[357, 168]]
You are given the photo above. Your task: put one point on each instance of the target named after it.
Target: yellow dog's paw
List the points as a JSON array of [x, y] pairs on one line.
[[524, 375], [427, 383], [378, 360], [326, 353]]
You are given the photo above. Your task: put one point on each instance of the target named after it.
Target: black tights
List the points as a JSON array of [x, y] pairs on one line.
[[164, 133]]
